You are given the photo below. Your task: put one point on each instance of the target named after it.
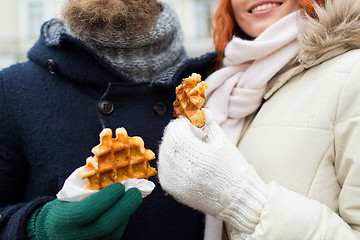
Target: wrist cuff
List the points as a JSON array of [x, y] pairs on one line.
[[35, 228], [246, 203], [31, 225]]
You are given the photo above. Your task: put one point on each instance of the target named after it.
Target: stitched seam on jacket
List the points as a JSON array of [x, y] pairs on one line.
[[318, 166]]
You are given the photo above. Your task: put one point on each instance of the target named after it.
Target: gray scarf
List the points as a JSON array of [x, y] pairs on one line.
[[142, 56]]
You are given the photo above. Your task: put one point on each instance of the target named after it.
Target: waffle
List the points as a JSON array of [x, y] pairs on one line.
[[117, 159], [190, 98]]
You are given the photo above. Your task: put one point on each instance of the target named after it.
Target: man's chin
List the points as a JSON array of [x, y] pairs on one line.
[[92, 16]]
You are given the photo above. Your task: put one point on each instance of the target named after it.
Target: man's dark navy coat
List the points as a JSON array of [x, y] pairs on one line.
[[52, 109]]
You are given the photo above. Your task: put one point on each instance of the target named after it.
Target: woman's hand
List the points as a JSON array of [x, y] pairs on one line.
[[204, 170]]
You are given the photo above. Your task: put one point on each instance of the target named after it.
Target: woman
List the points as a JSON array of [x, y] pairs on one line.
[[287, 95]]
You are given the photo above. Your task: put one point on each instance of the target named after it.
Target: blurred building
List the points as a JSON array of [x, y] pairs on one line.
[[195, 19], [20, 22]]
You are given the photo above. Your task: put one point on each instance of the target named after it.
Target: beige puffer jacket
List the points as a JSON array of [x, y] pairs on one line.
[[305, 139]]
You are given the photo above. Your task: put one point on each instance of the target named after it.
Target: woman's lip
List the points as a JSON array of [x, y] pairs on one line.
[[259, 3]]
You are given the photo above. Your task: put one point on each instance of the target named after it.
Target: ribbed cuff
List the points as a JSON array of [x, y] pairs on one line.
[[31, 225], [35, 225], [244, 210]]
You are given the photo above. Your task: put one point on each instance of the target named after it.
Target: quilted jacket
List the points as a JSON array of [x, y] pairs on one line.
[[305, 139]]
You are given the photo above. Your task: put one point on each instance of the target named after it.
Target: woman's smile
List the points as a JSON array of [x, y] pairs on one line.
[[265, 7], [254, 16]]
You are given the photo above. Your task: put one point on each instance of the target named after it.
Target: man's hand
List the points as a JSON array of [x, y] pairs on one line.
[[103, 215]]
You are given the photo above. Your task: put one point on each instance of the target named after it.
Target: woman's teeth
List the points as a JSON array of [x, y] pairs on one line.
[[264, 7]]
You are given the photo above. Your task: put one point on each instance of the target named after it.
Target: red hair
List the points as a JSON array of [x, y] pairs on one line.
[[225, 26], [308, 6]]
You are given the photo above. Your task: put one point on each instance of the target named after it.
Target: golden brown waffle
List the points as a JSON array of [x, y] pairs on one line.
[[190, 98], [117, 159]]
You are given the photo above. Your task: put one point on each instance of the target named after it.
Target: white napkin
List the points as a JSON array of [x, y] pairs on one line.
[[73, 191]]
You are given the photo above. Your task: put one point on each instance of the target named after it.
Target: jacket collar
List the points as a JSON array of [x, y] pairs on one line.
[[78, 63], [289, 71], [74, 61], [334, 33]]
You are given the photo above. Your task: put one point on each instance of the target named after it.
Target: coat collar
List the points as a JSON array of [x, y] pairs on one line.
[[281, 78], [79, 64], [334, 33], [75, 61]]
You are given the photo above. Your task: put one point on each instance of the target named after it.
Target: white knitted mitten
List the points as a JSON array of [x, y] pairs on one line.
[[207, 172]]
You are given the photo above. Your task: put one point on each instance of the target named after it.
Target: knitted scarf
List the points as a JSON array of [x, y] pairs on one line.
[[236, 90], [142, 56]]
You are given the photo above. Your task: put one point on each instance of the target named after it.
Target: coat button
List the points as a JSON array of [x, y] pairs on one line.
[[106, 107], [160, 109], [52, 66]]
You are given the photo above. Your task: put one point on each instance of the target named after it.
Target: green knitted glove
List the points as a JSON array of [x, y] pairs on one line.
[[103, 215]]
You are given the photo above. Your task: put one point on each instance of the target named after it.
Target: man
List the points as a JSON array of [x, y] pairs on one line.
[[106, 64]]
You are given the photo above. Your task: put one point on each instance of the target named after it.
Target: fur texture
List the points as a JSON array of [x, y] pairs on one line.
[[334, 32]]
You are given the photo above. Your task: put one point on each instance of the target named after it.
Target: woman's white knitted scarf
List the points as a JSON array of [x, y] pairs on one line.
[[236, 90]]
